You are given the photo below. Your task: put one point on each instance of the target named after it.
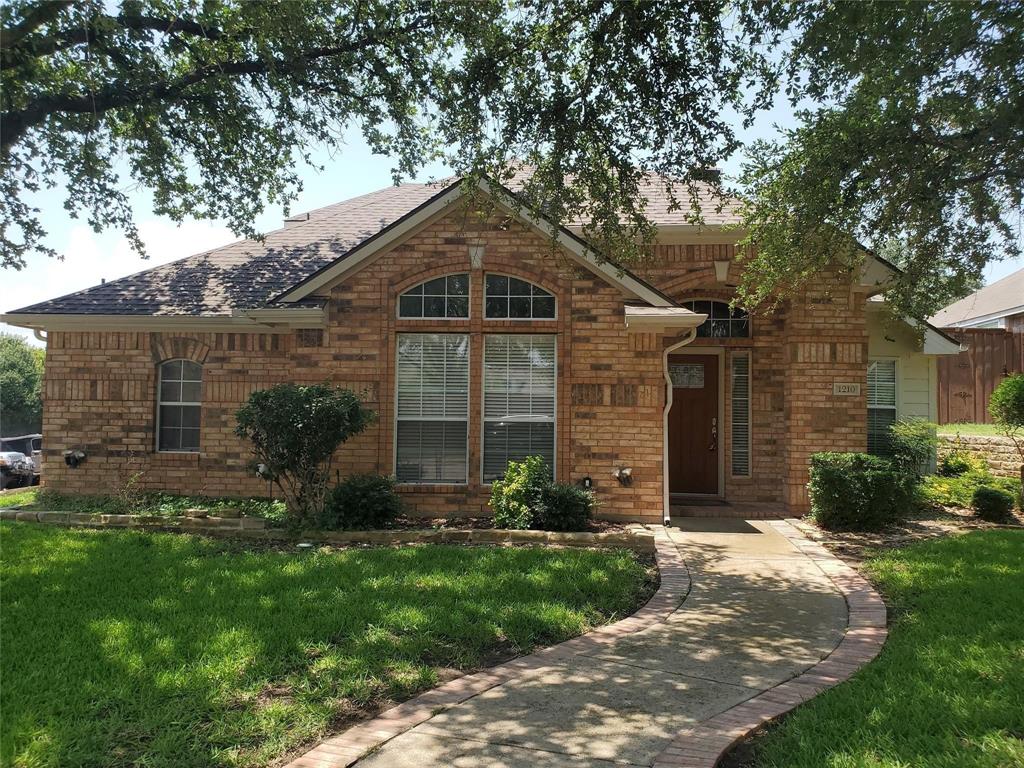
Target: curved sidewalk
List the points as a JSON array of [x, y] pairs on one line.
[[673, 685]]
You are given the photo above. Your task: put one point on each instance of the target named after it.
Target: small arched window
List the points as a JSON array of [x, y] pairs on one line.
[[178, 406], [443, 297], [723, 322], [511, 298]]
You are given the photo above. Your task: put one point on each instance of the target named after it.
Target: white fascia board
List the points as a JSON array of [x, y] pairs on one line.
[[935, 342]]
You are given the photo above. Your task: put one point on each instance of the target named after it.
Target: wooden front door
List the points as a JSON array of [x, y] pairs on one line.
[[694, 434]]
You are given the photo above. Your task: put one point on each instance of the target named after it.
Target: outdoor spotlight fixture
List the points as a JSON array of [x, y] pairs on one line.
[[624, 475], [587, 482], [74, 457]]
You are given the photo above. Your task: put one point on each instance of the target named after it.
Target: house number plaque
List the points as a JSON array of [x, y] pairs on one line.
[[845, 389]]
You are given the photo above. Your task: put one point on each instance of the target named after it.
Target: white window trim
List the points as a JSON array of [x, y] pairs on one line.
[[160, 402], [895, 388], [483, 420], [468, 297], [469, 392], [518, 319], [750, 415]]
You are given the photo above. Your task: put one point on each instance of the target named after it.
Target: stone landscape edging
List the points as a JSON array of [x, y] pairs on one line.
[[356, 742], [704, 744], [637, 539]]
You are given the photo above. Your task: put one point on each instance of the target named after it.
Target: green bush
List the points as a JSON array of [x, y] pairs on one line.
[[856, 491], [993, 504], [958, 492], [1007, 403], [518, 496], [361, 502], [564, 507], [959, 462], [912, 445]]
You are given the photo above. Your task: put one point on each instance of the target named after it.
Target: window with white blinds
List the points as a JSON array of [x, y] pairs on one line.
[[740, 407], [519, 401], [432, 412], [881, 404]]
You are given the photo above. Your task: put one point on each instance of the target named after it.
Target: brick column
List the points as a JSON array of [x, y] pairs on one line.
[[826, 342]]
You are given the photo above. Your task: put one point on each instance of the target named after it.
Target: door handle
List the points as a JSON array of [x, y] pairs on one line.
[[714, 435]]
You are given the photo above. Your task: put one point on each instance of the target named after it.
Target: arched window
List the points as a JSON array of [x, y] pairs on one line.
[[511, 298], [723, 322], [178, 406], [443, 297]]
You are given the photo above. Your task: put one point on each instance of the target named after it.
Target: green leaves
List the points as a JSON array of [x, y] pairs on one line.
[[294, 431], [21, 376]]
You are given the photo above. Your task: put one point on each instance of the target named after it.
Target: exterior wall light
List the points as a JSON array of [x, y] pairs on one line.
[[624, 475], [74, 457]]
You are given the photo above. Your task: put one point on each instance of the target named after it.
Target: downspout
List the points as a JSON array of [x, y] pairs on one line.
[[666, 502], [41, 335]]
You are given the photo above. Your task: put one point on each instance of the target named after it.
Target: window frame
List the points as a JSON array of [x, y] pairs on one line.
[[532, 284], [895, 408], [484, 482], [160, 403], [397, 418], [468, 296], [750, 321]]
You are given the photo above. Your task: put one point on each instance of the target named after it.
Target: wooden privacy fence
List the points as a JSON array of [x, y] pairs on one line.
[[966, 380]]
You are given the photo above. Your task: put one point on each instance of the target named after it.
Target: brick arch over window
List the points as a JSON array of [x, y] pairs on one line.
[[177, 348]]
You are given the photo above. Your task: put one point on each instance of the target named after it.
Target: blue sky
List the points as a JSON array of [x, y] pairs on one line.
[[348, 171]]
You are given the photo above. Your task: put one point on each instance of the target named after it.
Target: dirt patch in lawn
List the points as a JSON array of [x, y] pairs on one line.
[[855, 546]]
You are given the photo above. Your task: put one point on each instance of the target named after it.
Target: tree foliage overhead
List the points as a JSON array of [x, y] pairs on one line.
[[914, 143], [210, 105], [909, 115]]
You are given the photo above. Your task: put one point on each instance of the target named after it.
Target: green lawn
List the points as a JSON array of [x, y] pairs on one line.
[[987, 430], [948, 688], [124, 648]]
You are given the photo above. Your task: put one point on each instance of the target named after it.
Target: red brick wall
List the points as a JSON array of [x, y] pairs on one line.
[[100, 387]]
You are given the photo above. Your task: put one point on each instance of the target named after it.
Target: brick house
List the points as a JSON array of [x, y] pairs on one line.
[[477, 341]]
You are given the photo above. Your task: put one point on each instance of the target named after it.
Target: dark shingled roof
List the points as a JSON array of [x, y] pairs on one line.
[[249, 274]]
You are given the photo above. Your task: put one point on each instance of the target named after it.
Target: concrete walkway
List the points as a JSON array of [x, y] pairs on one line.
[[759, 612]]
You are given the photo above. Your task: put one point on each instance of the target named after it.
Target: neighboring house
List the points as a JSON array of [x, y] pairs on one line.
[[1000, 305], [477, 343], [989, 324]]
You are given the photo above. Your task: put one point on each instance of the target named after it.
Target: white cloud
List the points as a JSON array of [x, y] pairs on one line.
[[90, 257]]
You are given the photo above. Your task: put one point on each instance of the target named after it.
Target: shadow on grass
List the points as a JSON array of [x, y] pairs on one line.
[[129, 648]]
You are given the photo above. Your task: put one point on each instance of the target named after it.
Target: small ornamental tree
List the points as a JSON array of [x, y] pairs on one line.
[[1007, 408], [295, 430]]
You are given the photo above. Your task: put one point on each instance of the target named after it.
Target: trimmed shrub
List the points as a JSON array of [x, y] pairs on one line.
[[856, 491], [912, 445], [518, 496], [993, 505], [360, 502], [564, 507]]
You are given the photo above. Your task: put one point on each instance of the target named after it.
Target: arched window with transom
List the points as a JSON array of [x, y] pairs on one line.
[[724, 322], [444, 298]]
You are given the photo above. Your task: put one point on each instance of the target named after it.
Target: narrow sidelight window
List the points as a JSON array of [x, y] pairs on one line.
[[519, 401], [740, 402], [881, 404], [179, 405], [432, 413]]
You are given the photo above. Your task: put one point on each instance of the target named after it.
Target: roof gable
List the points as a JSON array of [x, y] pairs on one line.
[[1001, 298], [444, 201]]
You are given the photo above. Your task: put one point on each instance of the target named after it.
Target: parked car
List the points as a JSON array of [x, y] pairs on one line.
[[20, 460]]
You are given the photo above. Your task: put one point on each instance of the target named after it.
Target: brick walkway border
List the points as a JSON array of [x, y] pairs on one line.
[[702, 745], [350, 745]]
